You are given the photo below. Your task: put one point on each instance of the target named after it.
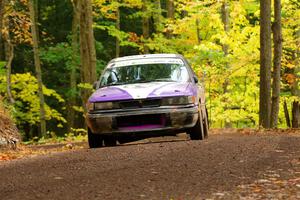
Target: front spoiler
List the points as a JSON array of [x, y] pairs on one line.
[[177, 118]]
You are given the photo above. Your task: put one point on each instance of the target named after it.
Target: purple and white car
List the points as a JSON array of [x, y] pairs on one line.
[[144, 96]]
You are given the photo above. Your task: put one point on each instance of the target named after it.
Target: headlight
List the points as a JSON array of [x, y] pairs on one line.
[[101, 106], [183, 100], [106, 105]]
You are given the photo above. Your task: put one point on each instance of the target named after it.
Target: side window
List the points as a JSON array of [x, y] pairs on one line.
[[179, 73], [184, 74], [108, 78], [104, 78]]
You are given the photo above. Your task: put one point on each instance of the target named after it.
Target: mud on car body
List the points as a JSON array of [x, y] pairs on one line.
[[143, 96]]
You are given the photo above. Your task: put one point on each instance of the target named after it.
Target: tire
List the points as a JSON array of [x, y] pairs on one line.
[[197, 132], [110, 141], [95, 141]]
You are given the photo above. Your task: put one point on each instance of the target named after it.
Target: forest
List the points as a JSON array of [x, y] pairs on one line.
[[245, 53]]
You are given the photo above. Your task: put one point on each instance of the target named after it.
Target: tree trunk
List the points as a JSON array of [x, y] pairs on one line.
[[8, 53], [226, 24], [87, 47], [2, 55], [9, 59], [75, 64], [198, 31], [157, 16], [37, 64], [146, 25], [296, 89], [36, 18], [118, 28], [170, 15], [286, 114], [170, 9], [296, 114], [265, 63], [277, 39]]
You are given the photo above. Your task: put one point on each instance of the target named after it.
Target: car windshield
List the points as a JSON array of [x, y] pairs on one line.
[[142, 73]]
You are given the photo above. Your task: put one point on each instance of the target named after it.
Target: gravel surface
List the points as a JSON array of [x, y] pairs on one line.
[[231, 166]]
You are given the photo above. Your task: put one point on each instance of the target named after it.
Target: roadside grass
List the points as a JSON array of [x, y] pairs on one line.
[[53, 139]]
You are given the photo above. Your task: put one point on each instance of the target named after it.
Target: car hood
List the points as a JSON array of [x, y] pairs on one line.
[[142, 91]]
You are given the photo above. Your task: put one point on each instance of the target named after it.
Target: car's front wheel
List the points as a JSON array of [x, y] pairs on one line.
[[197, 132], [110, 141], [95, 141]]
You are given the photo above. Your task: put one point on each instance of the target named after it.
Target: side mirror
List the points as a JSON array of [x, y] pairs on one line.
[[196, 79], [95, 85]]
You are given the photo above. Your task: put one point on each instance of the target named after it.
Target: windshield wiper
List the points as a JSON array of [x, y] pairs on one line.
[[139, 81], [113, 84], [149, 81], [164, 80]]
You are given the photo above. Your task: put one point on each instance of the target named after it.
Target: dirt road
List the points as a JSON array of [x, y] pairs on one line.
[[231, 166]]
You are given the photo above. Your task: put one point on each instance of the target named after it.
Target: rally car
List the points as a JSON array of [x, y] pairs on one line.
[[144, 96]]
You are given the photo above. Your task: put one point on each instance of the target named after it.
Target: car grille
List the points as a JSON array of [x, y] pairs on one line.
[[140, 122], [143, 103]]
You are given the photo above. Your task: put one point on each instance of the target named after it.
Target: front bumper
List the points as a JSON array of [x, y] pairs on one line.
[[171, 118]]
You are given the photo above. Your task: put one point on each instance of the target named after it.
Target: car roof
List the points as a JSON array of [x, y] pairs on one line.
[[136, 57]]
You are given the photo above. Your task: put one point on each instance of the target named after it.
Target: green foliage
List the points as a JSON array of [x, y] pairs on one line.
[[85, 86], [59, 54], [107, 12], [78, 109], [75, 135], [2, 67], [26, 107], [2, 64], [122, 36]]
